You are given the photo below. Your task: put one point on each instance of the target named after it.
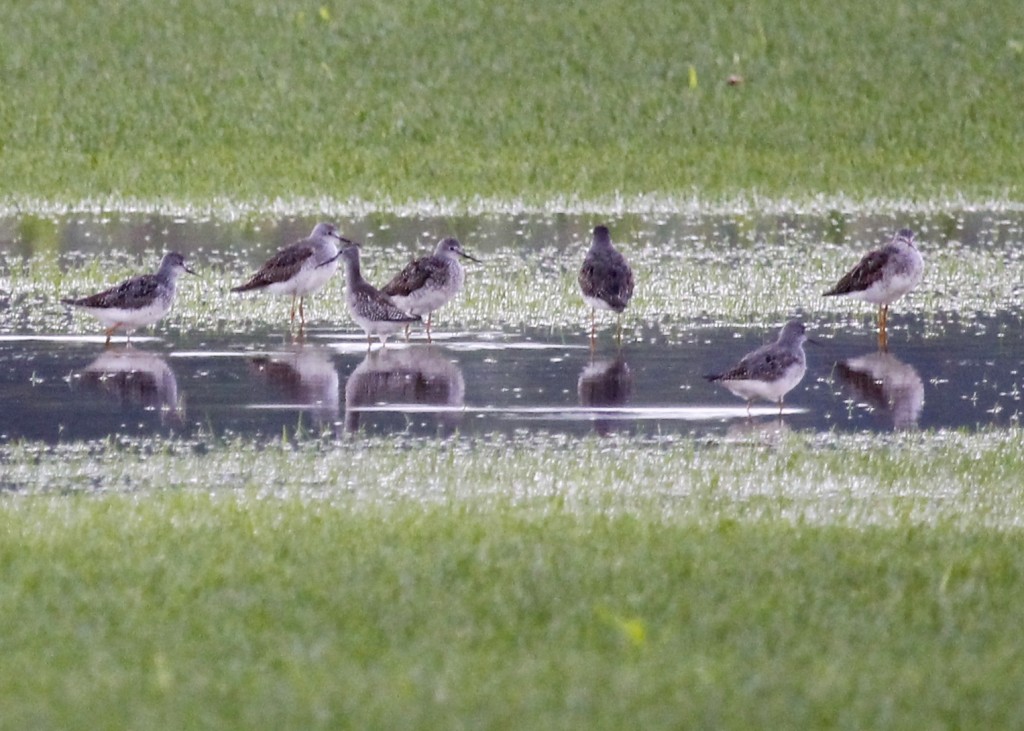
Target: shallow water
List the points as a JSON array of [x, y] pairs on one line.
[[955, 356], [65, 389]]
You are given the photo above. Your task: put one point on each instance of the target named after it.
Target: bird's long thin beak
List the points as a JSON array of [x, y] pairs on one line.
[[812, 341], [335, 257], [191, 271], [464, 255]]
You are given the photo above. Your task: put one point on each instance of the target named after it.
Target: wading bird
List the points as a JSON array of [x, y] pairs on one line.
[[299, 269], [771, 371], [883, 276], [430, 282], [605, 279], [136, 302]]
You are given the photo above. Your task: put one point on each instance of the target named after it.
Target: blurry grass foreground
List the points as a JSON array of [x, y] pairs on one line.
[[814, 581]]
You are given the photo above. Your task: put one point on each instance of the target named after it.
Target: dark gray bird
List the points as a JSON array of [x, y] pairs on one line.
[[771, 371], [136, 302], [606, 279]]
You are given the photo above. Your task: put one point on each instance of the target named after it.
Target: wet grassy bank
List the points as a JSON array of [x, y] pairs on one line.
[[536, 584]]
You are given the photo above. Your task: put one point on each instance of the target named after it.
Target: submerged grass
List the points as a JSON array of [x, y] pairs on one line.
[[458, 100], [541, 583], [681, 279], [932, 478]]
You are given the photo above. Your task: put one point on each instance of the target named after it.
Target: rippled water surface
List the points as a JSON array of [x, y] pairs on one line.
[[709, 290]]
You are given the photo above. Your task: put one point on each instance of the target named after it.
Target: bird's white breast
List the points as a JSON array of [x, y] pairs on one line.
[[751, 388], [130, 318]]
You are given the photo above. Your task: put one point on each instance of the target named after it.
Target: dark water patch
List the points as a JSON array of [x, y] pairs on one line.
[[60, 388]]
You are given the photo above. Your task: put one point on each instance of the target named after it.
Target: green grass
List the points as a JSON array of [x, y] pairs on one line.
[[526, 584], [414, 100]]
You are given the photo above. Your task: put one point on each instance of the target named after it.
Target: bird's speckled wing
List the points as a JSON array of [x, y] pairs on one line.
[[868, 271], [764, 364], [135, 292], [281, 267], [384, 306], [607, 278], [373, 304], [415, 275]]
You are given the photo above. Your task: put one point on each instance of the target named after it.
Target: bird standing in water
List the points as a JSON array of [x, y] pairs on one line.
[[430, 282], [372, 310], [605, 279], [299, 269], [771, 371], [136, 302], [882, 276]]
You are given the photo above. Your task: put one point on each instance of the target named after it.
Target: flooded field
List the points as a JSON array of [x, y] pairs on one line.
[[512, 354]]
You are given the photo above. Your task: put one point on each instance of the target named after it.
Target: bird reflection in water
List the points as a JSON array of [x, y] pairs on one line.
[[304, 375], [136, 377], [767, 431], [885, 383], [414, 376], [605, 383]]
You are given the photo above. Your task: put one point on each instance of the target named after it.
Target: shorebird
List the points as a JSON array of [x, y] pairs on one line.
[[771, 371], [605, 278], [299, 269], [136, 302], [373, 311], [883, 276], [430, 282]]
